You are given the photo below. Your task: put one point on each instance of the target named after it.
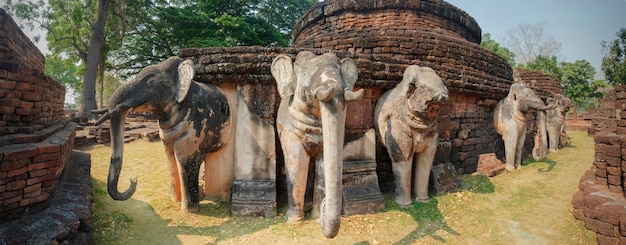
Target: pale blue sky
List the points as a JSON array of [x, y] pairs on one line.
[[579, 25]]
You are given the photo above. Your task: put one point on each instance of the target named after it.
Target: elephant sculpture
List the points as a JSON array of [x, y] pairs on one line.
[[510, 122], [194, 121], [556, 120], [311, 124], [406, 121]]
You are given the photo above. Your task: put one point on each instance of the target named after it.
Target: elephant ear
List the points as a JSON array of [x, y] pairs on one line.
[[349, 72], [410, 78], [185, 76], [282, 70]]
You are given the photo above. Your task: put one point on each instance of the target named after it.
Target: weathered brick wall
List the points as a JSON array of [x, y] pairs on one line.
[[382, 18], [600, 201], [35, 140], [28, 98], [544, 85], [603, 117]]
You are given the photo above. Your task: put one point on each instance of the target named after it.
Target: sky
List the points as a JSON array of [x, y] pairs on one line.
[[579, 25]]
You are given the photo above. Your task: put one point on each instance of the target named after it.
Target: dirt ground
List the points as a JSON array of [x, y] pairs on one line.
[[531, 205]]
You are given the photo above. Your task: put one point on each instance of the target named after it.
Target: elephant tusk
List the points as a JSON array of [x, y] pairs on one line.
[[353, 95], [324, 95], [103, 118]]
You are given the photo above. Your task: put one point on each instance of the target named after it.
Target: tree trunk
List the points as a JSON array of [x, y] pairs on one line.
[[575, 114], [101, 65], [93, 56]]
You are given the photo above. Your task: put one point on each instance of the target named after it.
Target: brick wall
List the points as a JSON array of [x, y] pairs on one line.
[[35, 139], [600, 201], [28, 99], [544, 85], [603, 117], [386, 17]]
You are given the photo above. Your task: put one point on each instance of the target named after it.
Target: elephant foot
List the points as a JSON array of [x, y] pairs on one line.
[[404, 204], [422, 199], [294, 218], [191, 208], [510, 167]]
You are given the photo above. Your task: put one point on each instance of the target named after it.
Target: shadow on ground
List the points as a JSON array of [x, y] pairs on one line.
[[429, 221], [115, 224]]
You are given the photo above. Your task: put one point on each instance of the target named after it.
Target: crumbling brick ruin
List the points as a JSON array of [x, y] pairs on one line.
[[384, 37], [600, 201], [35, 139], [604, 116]]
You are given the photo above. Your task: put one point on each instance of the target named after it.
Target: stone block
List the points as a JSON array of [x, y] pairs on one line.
[[611, 212], [490, 165], [17, 152], [254, 198]]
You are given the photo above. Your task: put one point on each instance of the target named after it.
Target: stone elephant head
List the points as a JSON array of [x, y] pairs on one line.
[[510, 122], [194, 120], [311, 123]]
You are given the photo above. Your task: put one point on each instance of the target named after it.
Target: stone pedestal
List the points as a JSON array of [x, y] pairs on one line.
[[254, 197], [361, 193]]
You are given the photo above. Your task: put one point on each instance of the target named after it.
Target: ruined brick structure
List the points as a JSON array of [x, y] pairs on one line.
[[604, 116], [600, 201], [384, 37], [545, 85], [35, 139]]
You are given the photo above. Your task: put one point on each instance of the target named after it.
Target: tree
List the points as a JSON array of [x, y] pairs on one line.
[[528, 41], [544, 64], [496, 48], [157, 30], [93, 58], [613, 63], [577, 85], [68, 24]]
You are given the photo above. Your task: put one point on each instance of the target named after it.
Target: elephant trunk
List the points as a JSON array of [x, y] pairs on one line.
[[333, 124], [540, 150], [117, 143]]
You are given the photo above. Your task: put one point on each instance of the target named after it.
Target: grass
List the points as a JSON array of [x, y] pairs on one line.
[[531, 205]]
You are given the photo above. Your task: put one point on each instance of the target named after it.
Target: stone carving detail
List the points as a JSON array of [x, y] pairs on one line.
[[510, 122], [406, 120], [311, 123], [194, 121], [556, 120]]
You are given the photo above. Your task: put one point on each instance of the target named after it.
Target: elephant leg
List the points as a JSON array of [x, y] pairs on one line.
[[520, 149], [175, 178], [423, 165], [297, 165], [189, 171], [510, 148], [402, 179]]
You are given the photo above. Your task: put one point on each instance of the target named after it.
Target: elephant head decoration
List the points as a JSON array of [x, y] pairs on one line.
[[510, 122], [194, 121], [556, 120], [311, 124], [406, 121]]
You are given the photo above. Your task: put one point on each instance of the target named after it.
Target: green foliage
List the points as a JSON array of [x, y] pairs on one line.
[[64, 71], [157, 30], [613, 63], [496, 48], [577, 82], [546, 65]]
